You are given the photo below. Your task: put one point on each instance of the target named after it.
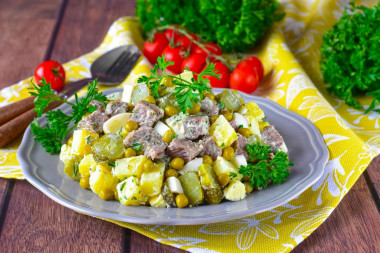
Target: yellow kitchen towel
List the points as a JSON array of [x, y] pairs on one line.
[[290, 54]]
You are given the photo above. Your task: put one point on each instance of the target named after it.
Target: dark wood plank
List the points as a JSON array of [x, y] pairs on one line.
[[35, 223], [85, 25], [26, 28], [373, 173], [143, 244], [354, 226], [4, 190]]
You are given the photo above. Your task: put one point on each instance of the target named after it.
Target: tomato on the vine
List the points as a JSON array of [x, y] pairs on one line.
[[224, 77], [152, 50], [211, 47], [172, 35], [174, 54], [255, 63], [185, 42], [244, 78], [194, 62], [53, 73]]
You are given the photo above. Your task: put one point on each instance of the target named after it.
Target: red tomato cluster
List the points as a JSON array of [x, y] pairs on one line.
[[186, 54]]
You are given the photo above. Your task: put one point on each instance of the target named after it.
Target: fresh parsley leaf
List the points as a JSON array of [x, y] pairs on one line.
[[233, 175], [122, 186], [257, 151], [258, 173], [59, 124], [350, 56], [221, 105], [136, 146], [278, 167], [111, 164]]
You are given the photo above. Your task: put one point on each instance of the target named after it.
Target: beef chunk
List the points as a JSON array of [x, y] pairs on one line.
[[209, 107], [240, 146], [93, 122], [196, 126], [113, 108], [210, 148], [98, 105], [152, 143], [233, 124], [146, 114], [272, 138], [183, 148]]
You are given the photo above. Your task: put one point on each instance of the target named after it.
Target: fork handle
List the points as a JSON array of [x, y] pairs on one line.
[[10, 130], [11, 111]]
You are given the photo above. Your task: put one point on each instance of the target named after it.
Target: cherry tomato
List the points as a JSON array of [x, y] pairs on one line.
[[194, 62], [152, 50], [172, 35], [53, 73], [185, 42], [224, 76], [174, 54], [255, 63], [212, 47], [244, 78]]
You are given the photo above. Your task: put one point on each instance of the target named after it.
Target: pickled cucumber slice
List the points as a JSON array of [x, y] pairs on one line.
[[139, 93], [108, 148], [192, 188], [232, 100], [168, 196], [213, 191]]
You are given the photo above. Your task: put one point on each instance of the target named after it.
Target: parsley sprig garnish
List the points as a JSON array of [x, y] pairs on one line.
[[350, 56], [186, 92], [59, 124], [261, 169]]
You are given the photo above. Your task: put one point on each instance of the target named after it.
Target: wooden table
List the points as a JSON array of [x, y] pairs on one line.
[[33, 31]]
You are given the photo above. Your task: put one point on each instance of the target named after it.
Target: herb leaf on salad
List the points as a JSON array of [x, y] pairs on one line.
[[186, 92], [261, 169], [58, 123]]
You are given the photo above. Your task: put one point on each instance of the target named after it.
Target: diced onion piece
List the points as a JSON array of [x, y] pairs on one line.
[[175, 185], [283, 148], [193, 165], [240, 120], [161, 128], [127, 92], [115, 96]]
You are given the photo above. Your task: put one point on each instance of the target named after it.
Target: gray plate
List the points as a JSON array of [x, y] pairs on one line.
[[306, 149]]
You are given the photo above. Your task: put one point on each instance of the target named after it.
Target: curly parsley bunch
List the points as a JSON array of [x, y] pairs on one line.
[[350, 56], [234, 25]]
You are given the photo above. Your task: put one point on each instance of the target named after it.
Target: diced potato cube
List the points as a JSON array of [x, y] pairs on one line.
[[87, 165], [130, 193], [239, 160], [102, 179], [223, 132], [254, 126], [192, 188], [71, 167], [222, 166], [116, 124], [252, 109], [151, 182], [235, 191], [128, 167], [82, 141], [263, 125], [175, 123], [157, 201], [65, 153]]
